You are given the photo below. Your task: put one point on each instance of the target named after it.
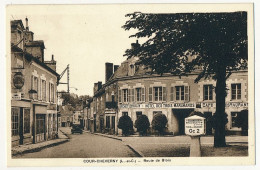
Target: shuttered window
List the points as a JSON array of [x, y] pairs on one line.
[[120, 96], [172, 94], [150, 94], [143, 94]]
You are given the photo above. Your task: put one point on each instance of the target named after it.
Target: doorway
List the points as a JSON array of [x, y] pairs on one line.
[[181, 114], [208, 116], [40, 127]]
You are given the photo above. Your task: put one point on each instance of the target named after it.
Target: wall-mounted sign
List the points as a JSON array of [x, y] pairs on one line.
[[236, 104], [228, 104], [18, 80], [195, 125], [17, 96], [157, 105]]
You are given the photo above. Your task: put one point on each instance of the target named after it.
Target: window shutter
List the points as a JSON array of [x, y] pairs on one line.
[[119, 96], [172, 93], [133, 95], [150, 94], [128, 95], [164, 93], [186, 93], [143, 94]]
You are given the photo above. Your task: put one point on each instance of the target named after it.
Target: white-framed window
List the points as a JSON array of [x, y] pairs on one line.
[[43, 89], [157, 93], [182, 93], [179, 92], [140, 94], [236, 91], [51, 92], [35, 86], [208, 92], [125, 95]]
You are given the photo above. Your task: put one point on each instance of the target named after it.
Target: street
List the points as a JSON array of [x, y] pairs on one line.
[[84, 145]]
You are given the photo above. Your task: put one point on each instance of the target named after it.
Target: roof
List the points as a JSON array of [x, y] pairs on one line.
[[38, 43], [30, 57], [15, 23]]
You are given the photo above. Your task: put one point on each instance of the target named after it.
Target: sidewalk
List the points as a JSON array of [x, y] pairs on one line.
[[26, 148]]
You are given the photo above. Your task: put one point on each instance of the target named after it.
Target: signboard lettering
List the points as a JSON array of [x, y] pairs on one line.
[[194, 125]]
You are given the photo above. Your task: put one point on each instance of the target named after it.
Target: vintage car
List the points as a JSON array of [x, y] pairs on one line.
[[76, 128]]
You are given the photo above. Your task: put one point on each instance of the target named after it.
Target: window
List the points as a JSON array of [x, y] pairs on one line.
[[207, 92], [15, 121], [138, 114], [26, 127], [35, 87], [43, 90], [51, 92], [234, 116], [138, 94], [124, 113], [157, 93], [125, 95], [235, 91], [179, 92]]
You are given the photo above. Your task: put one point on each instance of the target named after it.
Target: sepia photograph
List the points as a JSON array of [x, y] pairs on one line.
[[130, 84]]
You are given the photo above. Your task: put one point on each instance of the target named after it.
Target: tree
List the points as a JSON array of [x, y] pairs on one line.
[[214, 44], [142, 124], [126, 124], [159, 122]]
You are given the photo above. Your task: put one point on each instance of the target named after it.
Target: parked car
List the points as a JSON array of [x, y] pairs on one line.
[[76, 128]]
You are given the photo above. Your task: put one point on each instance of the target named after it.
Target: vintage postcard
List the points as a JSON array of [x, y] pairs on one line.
[[130, 84]]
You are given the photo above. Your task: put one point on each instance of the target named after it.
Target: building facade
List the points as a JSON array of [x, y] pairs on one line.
[[33, 89], [132, 90]]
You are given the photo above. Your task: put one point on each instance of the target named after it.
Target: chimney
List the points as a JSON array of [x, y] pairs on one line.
[[135, 45], [109, 71], [27, 27], [115, 68], [52, 63], [97, 86], [52, 57]]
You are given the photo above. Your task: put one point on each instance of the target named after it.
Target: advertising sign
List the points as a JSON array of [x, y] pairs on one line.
[[195, 125]]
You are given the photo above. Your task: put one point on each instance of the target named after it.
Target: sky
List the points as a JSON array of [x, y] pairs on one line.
[[85, 38], [88, 36]]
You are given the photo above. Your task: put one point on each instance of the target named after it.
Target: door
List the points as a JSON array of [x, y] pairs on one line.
[[40, 127], [21, 126], [208, 116]]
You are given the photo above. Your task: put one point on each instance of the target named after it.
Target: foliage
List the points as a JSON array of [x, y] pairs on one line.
[[126, 124], [159, 122], [142, 124], [213, 44]]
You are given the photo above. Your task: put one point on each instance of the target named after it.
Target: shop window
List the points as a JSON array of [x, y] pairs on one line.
[[26, 127], [15, 121], [236, 91], [124, 113], [207, 92], [107, 121], [125, 95], [138, 114], [234, 116]]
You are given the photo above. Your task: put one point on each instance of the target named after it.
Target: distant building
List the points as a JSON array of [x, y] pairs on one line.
[[33, 89]]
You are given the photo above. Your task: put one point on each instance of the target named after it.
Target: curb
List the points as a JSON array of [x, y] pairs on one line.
[[140, 154], [112, 137], [39, 148]]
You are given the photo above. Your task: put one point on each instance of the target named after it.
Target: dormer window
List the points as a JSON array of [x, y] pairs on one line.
[[132, 70]]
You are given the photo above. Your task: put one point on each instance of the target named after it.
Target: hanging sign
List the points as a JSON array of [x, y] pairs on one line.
[[18, 80]]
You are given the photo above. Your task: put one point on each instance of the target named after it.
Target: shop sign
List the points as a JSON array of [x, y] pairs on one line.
[[18, 80], [195, 125], [236, 104], [157, 105]]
